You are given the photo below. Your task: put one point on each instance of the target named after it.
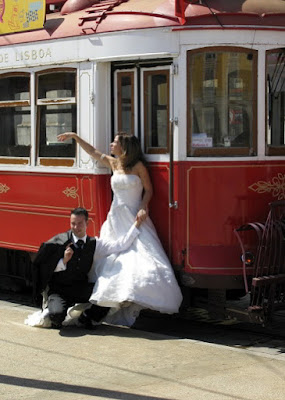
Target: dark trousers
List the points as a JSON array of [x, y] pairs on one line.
[[60, 300]]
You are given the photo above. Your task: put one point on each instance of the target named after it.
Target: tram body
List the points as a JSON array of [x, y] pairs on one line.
[[198, 88]]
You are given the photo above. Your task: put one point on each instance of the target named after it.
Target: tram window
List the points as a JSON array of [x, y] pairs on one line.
[[221, 102], [15, 118], [57, 110], [275, 102], [156, 111], [55, 120], [56, 85], [125, 102]]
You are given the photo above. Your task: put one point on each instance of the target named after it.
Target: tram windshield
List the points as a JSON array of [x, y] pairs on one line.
[[276, 102], [221, 102]]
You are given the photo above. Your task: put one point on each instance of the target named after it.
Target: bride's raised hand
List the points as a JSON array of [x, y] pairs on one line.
[[65, 136]]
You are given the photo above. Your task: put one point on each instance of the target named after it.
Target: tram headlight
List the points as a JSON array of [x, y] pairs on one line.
[[247, 258]]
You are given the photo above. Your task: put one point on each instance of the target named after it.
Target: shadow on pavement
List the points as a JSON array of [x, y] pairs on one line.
[[67, 388]]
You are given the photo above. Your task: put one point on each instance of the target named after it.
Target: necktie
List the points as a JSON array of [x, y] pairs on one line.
[[80, 243]]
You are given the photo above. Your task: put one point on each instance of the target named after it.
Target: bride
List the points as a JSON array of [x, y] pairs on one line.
[[141, 277]]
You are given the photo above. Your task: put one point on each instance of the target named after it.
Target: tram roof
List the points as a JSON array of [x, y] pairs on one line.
[[88, 17]]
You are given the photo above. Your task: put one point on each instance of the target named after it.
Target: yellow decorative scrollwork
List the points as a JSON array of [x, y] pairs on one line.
[[70, 192], [276, 186], [4, 188]]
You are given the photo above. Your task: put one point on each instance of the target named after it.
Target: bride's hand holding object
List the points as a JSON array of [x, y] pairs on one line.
[[141, 215], [137, 223]]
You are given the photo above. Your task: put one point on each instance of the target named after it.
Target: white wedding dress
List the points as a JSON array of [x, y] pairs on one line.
[[140, 277]]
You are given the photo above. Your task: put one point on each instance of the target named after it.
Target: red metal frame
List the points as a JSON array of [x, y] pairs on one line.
[[214, 198], [34, 207]]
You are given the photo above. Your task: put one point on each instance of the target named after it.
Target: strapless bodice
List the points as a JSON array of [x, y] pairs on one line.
[[127, 190]]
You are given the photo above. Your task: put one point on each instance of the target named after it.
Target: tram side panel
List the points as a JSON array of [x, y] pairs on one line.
[[217, 198], [159, 207], [35, 207], [213, 199]]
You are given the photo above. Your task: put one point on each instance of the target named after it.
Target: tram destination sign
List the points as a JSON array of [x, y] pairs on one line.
[[21, 15]]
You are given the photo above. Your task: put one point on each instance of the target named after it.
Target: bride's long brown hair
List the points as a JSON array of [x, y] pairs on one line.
[[132, 152]]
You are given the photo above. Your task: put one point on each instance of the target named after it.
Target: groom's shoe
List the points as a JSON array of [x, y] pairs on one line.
[[56, 326], [85, 322]]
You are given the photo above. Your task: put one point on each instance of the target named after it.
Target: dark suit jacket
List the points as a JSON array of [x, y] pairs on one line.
[[49, 255]]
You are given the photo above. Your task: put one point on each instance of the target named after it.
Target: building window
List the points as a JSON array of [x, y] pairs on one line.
[[275, 73], [156, 110], [221, 102], [15, 119], [56, 113]]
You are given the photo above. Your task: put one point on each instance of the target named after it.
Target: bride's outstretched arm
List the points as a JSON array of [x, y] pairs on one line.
[[94, 153]]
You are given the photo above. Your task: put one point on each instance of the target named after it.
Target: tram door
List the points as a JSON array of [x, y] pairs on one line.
[[141, 106]]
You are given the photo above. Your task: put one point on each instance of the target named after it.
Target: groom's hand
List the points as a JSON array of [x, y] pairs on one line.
[[68, 254]]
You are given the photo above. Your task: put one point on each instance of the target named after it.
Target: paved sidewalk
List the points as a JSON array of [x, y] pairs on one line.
[[121, 363]]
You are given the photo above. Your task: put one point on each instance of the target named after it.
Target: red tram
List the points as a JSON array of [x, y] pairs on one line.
[[201, 83]]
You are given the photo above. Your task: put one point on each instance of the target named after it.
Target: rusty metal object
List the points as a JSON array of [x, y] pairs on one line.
[[258, 228], [268, 285], [268, 280]]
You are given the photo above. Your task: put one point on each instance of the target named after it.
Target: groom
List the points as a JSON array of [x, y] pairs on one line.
[[63, 263]]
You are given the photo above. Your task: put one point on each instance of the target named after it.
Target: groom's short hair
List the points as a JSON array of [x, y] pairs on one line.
[[80, 211]]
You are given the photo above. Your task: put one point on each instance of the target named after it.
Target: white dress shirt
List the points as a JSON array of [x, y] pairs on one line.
[[105, 248]]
